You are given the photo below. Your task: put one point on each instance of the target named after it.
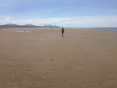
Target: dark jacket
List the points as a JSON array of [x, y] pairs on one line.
[[62, 30]]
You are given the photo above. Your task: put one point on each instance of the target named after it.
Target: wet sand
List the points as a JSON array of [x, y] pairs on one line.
[[42, 58]]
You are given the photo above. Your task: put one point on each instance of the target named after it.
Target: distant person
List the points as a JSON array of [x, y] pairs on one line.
[[62, 31]]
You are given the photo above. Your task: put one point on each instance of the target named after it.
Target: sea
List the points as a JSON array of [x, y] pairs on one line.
[[106, 29]]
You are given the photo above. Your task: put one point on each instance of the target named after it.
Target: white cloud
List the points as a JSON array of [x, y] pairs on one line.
[[82, 21]]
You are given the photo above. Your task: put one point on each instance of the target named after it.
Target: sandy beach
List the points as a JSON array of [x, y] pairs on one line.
[[42, 58]]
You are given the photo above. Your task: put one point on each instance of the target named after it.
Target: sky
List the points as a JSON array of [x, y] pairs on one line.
[[63, 13]]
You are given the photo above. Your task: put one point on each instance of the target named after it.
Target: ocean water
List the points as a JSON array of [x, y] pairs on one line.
[[107, 29]]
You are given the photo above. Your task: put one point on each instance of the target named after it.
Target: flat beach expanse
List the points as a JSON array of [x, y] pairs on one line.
[[41, 58]]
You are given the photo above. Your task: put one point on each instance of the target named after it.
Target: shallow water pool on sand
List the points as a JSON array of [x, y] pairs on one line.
[[23, 31]]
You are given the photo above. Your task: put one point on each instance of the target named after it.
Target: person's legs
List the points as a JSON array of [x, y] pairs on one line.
[[62, 33]]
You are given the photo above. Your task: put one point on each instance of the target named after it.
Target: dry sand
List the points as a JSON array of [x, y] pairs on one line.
[[42, 58]]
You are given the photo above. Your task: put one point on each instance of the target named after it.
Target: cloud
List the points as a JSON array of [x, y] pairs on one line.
[[82, 21]]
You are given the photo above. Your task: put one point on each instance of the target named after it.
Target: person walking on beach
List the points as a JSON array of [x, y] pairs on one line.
[[62, 31]]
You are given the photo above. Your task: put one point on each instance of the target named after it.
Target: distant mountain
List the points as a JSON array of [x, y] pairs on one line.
[[29, 25], [11, 25], [50, 26]]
